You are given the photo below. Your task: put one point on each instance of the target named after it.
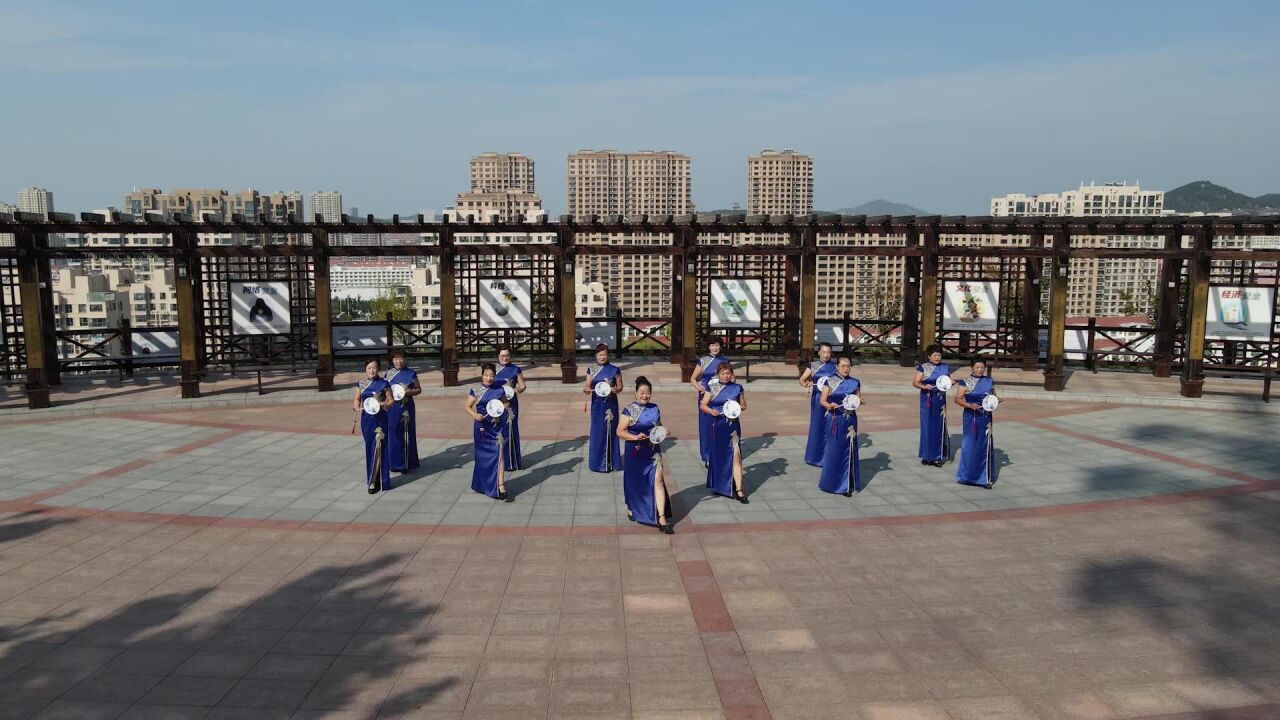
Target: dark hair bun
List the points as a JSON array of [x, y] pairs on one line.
[[643, 381]]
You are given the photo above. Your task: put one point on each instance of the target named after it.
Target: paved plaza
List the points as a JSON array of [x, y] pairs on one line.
[[221, 558]]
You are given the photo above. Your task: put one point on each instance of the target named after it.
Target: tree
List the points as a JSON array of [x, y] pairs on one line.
[[392, 299]]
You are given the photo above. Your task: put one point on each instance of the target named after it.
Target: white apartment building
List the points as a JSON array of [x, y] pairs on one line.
[[7, 239], [36, 200], [327, 204], [1100, 287], [496, 206], [608, 182], [779, 182], [493, 172]]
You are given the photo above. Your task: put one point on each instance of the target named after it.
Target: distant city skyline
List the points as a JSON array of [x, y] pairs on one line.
[[939, 105]]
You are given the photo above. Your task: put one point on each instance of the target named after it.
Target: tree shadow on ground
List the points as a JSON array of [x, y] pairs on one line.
[[521, 481], [755, 475], [23, 525], [869, 468], [1213, 588], [754, 444], [450, 458], [329, 639], [551, 450]]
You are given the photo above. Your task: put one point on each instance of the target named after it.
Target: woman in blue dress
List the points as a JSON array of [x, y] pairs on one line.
[[603, 455], [821, 368], [840, 471], [489, 475], [510, 374], [935, 444], [402, 421], [976, 465], [702, 377], [377, 463], [642, 483], [724, 471]]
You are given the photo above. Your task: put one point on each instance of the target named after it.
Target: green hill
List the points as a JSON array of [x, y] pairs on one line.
[[1204, 196]]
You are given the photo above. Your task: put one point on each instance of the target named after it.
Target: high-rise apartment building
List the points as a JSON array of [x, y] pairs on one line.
[[218, 205], [1100, 287], [499, 172], [36, 200], [326, 204], [607, 182], [7, 239], [779, 183]]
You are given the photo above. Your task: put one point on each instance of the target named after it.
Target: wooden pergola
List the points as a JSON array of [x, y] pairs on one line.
[[1048, 253]]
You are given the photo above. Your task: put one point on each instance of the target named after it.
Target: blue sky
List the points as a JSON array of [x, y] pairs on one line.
[[936, 104]]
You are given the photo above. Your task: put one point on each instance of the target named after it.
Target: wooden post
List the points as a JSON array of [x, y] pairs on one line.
[[33, 335], [448, 311], [909, 346], [1198, 299], [688, 306], [808, 292], [1033, 267], [324, 312], [1170, 294], [677, 298], [126, 347], [567, 287], [48, 320], [1054, 376], [793, 347], [929, 288], [186, 271]]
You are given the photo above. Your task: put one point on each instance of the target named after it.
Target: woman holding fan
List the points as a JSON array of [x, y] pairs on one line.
[[977, 395], [841, 398], [402, 422], [933, 379], [510, 375], [642, 482], [373, 397], [702, 378], [814, 377], [487, 405], [604, 382], [723, 402]]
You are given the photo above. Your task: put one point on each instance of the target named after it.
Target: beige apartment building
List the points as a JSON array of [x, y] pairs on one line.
[[7, 239], [493, 172], [36, 200], [608, 182], [496, 206], [220, 205], [779, 183]]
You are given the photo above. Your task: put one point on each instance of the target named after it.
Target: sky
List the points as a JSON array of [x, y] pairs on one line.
[[933, 103]]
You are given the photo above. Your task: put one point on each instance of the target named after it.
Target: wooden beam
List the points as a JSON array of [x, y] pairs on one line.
[[928, 288], [324, 312], [808, 293], [37, 385], [568, 296], [910, 349], [1031, 290], [186, 266], [1198, 299], [448, 311], [688, 305], [1169, 296], [1054, 374]]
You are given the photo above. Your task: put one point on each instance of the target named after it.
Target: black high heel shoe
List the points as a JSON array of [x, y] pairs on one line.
[[502, 495], [373, 489], [665, 528], [741, 497]]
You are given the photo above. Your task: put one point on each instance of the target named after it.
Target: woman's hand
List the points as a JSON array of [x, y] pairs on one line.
[[477, 417], [927, 387]]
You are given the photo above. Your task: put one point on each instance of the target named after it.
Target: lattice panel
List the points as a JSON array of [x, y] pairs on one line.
[[540, 337], [1006, 343], [13, 350], [772, 271], [224, 349]]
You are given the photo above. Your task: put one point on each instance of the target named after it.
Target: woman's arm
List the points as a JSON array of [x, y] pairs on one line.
[[471, 407], [919, 383], [616, 385], [693, 378], [355, 404], [822, 399], [961, 401], [386, 400], [623, 423], [520, 382], [415, 387], [742, 399], [705, 406], [804, 377]]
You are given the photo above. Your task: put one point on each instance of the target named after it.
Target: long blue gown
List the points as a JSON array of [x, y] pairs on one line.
[[977, 464], [509, 374], [840, 471], [708, 365], [402, 423], [724, 437], [640, 465], [814, 448], [935, 444], [490, 440], [603, 453], [377, 461]]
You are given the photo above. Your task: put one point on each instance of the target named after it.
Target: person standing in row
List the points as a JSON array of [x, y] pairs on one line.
[[373, 392], [402, 420], [819, 369], [702, 378], [977, 462], [724, 469], [935, 444], [840, 471], [488, 434], [643, 485], [511, 375], [603, 454]]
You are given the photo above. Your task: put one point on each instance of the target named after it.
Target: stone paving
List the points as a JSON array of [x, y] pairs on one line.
[[225, 562]]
